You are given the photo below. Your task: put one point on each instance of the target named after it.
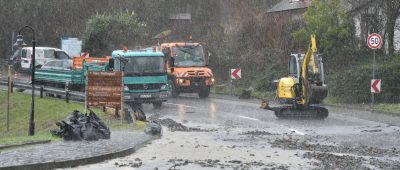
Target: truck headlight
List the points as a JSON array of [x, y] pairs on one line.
[[180, 81], [126, 88], [163, 87], [212, 80]]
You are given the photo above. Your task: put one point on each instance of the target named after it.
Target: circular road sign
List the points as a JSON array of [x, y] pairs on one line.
[[374, 41]]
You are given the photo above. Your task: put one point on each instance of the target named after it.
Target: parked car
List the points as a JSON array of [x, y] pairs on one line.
[[57, 65], [22, 57]]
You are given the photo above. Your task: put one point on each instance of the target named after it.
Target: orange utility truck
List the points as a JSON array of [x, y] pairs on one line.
[[187, 67]]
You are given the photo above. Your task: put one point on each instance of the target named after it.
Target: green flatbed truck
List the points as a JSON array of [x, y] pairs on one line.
[[145, 76]]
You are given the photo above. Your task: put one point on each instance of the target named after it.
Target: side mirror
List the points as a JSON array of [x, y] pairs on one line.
[[111, 64], [172, 61], [38, 66], [209, 58], [166, 52]]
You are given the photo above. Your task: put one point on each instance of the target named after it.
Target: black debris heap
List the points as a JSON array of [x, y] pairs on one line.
[[78, 126]]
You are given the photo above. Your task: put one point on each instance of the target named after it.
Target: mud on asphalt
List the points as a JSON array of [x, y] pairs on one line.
[[314, 151], [342, 157]]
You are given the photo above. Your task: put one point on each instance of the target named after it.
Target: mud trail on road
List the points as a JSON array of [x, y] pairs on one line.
[[294, 143], [342, 157]]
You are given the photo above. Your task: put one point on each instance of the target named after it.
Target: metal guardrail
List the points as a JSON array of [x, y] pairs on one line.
[[73, 95]]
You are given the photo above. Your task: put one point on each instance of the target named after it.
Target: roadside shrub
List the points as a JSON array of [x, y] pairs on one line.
[[353, 85], [107, 32], [268, 76]]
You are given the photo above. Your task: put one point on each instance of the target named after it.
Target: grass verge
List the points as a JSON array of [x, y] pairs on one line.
[[48, 111], [392, 108]]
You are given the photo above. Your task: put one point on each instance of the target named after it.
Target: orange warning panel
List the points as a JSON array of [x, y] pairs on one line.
[[78, 61]]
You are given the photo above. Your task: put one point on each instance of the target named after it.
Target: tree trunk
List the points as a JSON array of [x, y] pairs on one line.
[[392, 11], [391, 23]]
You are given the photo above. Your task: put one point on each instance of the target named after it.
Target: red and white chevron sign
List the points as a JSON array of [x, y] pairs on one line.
[[236, 73], [375, 85]]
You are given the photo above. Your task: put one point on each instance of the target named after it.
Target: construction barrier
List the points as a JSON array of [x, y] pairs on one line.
[[78, 61], [16, 75], [1, 72]]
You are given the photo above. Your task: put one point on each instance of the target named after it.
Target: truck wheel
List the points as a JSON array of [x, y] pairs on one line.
[[157, 105], [204, 92], [174, 91]]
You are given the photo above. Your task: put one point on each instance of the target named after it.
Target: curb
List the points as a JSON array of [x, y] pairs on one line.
[[79, 162], [25, 144], [364, 109]]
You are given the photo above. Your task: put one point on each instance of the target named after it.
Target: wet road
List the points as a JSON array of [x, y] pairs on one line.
[[236, 134]]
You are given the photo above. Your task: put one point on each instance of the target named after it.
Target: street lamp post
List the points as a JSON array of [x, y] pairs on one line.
[[20, 42]]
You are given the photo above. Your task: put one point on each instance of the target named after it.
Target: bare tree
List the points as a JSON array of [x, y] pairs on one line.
[[392, 12]]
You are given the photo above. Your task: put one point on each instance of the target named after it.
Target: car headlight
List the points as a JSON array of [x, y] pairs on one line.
[[163, 87], [126, 88]]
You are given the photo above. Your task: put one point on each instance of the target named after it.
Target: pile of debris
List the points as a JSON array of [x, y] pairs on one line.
[[78, 126]]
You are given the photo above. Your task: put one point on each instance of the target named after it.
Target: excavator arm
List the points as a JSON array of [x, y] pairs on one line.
[[308, 58]]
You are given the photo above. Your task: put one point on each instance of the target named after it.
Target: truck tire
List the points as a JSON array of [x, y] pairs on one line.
[[174, 91], [204, 92], [157, 105]]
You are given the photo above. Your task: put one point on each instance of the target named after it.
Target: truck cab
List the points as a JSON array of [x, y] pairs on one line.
[[145, 76], [188, 68]]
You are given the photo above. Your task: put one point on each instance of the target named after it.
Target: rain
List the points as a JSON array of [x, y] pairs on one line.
[[210, 84]]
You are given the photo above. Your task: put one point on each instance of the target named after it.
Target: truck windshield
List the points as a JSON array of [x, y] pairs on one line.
[[187, 56], [145, 66]]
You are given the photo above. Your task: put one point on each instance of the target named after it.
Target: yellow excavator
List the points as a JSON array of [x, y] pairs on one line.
[[304, 87]]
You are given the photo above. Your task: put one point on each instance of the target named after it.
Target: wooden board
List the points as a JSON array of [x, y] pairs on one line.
[[104, 89]]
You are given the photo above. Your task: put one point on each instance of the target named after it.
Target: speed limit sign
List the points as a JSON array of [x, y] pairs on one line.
[[374, 41]]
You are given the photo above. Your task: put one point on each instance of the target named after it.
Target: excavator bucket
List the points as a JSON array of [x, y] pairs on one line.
[[318, 93]]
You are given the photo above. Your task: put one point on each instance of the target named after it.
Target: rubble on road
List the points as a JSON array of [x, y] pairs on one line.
[[331, 161], [78, 126], [358, 150], [232, 164], [257, 133], [153, 128], [175, 126]]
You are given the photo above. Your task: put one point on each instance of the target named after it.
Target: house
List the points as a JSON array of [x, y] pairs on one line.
[[367, 16], [294, 9]]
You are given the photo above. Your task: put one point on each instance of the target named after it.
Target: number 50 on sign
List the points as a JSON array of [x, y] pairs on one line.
[[374, 41]]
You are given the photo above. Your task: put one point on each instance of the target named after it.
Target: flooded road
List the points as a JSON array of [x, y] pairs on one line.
[[236, 134]]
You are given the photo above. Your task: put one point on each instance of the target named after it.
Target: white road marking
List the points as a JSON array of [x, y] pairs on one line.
[[182, 105], [245, 117], [296, 131]]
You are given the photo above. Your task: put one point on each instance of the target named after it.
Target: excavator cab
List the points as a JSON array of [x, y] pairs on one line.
[[295, 62]]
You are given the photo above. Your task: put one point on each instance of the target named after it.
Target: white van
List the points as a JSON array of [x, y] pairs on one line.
[[42, 56]]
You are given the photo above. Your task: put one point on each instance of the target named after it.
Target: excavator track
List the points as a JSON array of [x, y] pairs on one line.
[[312, 112]]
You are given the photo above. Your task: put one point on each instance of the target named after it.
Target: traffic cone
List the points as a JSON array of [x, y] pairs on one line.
[[16, 75], [1, 73]]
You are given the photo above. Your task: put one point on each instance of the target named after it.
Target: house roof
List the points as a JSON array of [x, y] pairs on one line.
[[286, 5], [355, 5]]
